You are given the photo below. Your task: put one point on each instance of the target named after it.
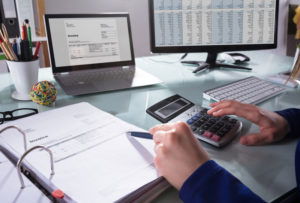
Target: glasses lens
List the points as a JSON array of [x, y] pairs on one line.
[[22, 112]]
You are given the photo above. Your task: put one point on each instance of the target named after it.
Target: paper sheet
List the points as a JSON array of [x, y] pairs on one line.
[[95, 161]]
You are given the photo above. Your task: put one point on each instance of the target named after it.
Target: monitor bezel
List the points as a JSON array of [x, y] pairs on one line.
[[60, 69], [207, 48]]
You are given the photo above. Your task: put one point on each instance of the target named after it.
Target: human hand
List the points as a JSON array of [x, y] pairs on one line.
[[273, 127], [178, 152]]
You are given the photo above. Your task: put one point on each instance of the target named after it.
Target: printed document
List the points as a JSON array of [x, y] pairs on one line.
[[99, 43], [95, 161]]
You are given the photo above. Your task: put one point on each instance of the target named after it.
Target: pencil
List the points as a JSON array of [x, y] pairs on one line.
[[37, 50], [5, 49], [6, 41]]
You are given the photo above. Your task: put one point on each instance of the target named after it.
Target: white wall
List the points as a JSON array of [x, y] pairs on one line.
[[138, 10]]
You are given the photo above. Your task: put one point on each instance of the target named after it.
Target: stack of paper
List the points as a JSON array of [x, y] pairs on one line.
[[95, 161]]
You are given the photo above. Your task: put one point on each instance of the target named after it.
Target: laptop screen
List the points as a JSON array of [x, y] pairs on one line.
[[87, 41]]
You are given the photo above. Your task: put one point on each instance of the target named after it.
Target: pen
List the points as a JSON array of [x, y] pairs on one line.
[[29, 34], [37, 50], [144, 135], [25, 52], [15, 47]]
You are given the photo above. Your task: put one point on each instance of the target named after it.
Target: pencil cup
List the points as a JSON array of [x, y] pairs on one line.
[[24, 75]]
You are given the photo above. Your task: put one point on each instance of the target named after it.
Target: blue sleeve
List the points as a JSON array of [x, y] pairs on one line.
[[293, 118], [212, 183]]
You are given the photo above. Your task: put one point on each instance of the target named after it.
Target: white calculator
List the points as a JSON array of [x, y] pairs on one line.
[[217, 131]]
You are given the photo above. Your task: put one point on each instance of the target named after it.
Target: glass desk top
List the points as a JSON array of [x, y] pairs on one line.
[[266, 170]]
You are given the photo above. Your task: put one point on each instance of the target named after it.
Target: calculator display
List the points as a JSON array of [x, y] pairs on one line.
[[172, 108]]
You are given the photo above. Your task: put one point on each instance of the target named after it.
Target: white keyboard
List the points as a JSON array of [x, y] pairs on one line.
[[251, 90]]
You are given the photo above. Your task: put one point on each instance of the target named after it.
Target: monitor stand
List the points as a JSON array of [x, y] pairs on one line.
[[211, 63]]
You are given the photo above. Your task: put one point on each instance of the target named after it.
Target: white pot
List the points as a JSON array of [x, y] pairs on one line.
[[24, 75]]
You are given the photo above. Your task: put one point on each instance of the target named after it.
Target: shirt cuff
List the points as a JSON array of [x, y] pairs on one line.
[[292, 116], [199, 177]]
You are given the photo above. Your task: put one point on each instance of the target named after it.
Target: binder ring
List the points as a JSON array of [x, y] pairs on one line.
[[18, 129], [24, 155]]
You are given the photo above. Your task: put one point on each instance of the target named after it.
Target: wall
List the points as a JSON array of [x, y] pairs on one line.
[[138, 10]]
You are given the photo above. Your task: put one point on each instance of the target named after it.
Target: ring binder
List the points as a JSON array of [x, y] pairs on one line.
[[18, 129], [24, 155], [8, 15]]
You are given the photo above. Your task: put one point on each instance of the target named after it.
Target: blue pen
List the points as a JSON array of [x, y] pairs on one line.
[[144, 135], [15, 48]]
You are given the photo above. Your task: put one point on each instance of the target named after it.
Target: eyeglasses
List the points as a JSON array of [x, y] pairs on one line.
[[16, 114]]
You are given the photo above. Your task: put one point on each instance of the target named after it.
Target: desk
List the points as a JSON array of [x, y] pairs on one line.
[[266, 170]]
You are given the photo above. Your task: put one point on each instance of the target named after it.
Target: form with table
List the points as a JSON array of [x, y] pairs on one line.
[[266, 170]]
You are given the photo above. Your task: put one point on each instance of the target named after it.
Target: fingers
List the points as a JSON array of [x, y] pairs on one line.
[[159, 135], [247, 111], [256, 139], [163, 127], [227, 108], [159, 149]]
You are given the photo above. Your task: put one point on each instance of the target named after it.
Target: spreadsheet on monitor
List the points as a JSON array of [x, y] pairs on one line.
[[214, 22]]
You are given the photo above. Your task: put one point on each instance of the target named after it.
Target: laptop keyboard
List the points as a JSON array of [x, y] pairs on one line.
[[94, 76]]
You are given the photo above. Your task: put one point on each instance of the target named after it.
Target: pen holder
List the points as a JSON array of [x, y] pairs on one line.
[[24, 75]]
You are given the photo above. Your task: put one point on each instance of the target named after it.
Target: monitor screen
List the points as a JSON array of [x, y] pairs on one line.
[[213, 25], [82, 40]]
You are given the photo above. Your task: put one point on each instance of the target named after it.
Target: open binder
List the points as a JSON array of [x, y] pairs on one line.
[[94, 159]]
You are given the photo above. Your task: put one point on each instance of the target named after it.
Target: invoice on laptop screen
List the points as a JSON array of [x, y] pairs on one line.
[[90, 40]]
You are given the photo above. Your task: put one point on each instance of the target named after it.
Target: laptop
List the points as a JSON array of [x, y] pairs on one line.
[[93, 53]]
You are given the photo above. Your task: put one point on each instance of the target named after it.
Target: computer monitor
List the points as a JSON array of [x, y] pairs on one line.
[[212, 26]]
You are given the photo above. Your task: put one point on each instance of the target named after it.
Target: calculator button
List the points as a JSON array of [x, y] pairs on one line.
[[213, 120], [220, 124], [198, 123], [190, 121], [203, 111], [214, 129], [207, 134], [194, 128], [227, 127], [225, 118], [233, 121], [221, 133], [200, 131], [216, 138], [205, 127], [196, 116]]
